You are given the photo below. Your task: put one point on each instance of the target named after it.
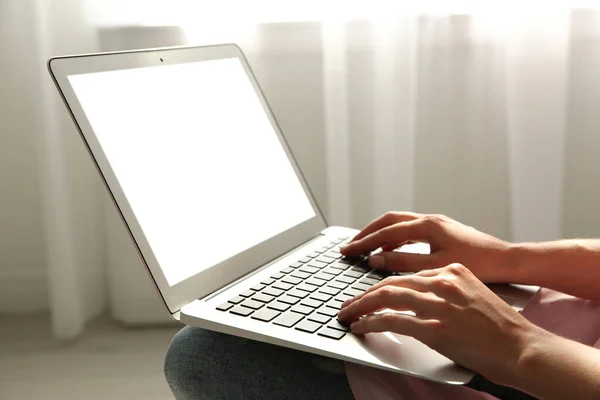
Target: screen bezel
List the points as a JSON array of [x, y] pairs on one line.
[[219, 275]]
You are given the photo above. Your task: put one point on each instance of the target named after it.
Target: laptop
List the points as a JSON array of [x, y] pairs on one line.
[[218, 209]]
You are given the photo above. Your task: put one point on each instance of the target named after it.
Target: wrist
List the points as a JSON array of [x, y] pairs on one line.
[[516, 259], [532, 359], [532, 262], [510, 263], [530, 344]]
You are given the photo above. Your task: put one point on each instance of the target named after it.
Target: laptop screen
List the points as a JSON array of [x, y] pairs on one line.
[[197, 158]]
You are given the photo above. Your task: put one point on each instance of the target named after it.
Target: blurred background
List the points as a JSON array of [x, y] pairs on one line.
[[485, 111]]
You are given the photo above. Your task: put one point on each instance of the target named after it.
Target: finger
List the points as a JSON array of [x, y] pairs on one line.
[[390, 297], [428, 273], [391, 322], [395, 246], [403, 262], [387, 219], [393, 235], [414, 282]]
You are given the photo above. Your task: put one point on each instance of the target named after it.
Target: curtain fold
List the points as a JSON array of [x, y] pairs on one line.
[[489, 118]]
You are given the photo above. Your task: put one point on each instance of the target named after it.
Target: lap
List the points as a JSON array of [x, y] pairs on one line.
[[202, 364]]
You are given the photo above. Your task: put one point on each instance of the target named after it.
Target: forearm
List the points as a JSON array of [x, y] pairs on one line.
[[568, 266], [557, 368]]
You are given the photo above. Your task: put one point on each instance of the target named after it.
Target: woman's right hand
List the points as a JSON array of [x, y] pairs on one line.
[[450, 242]]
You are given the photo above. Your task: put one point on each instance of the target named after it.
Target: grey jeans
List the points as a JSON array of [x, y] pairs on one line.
[[201, 364]]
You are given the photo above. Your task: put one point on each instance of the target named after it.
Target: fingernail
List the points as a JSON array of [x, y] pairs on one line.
[[346, 303], [353, 326], [377, 261]]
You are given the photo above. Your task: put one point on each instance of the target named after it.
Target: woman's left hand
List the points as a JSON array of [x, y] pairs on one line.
[[455, 314]]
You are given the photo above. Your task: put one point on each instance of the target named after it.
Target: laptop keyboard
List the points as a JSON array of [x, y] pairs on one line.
[[308, 294]]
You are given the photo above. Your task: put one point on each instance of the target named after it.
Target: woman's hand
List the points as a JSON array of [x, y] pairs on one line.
[[455, 314], [449, 240]]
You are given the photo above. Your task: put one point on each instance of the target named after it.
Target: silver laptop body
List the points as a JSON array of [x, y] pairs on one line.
[[214, 201]]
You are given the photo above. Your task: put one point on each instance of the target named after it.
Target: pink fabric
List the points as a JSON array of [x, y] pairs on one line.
[[565, 315]]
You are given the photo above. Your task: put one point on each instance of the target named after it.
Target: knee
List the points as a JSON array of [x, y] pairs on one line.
[[183, 363]]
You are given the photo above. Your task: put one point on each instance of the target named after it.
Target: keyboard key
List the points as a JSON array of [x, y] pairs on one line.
[[373, 276], [258, 288], [268, 281], [263, 298], [279, 306], [325, 260], [241, 310], [273, 292], [315, 282], [304, 310], [313, 255], [330, 312], [378, 275], [335, 324], [324, 277], [360, 268], [224, 306], [338, 285], [265, 315], [340, 266], [349, 260], [334, 304], [322, 250], [282, 286], [306, 287], [288, 319], [255, 305], [248, 293], [361, 286], [353, 274], [309, 270], [353, 292], [320, 318], [369, 281], [286, 270], [308, 326], [311, 303], [291, 280], [331, 333], [345, 279], [343, 297], [332, 256], [278, 275], [236, 300], [317, 264], [296, 265], [288, 299], [300, 274], [332, 271], [304, 260], [320, 296], [329, 290], [298, 293]]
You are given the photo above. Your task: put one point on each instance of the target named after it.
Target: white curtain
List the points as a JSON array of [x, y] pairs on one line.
[[483, 112]]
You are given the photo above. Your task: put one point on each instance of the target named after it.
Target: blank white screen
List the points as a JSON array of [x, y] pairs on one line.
[[197, 158]]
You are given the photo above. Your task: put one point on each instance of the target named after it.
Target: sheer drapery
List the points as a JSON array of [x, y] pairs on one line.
[[487, 115]]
